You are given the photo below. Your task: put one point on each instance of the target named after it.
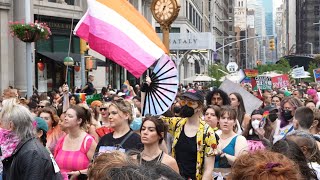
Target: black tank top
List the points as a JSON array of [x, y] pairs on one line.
[[156, 160], [186, 155]]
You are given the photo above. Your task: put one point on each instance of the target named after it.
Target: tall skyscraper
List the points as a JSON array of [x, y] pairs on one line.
[[259, 16], [269, 23], [268, 8]]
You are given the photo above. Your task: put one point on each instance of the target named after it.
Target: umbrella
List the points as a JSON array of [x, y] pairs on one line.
[[200, 78], [163, 88]]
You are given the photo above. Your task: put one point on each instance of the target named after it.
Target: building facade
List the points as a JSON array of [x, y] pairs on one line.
[[59, 15], [308, 13]]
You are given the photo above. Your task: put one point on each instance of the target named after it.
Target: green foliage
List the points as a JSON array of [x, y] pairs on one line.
[[282, 67], [312, 66], [19, 29], [215, 71], [317, 59]]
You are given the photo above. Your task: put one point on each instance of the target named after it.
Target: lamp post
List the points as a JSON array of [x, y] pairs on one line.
[[68, 61]]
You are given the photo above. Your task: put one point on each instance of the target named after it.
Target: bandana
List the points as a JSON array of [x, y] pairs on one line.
[[8, 143]]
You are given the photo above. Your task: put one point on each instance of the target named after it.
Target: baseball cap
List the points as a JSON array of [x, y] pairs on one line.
[[41, 124], [270, 108], [194, 95]]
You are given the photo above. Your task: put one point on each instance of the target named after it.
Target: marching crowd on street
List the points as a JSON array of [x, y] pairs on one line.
[[206, 134]]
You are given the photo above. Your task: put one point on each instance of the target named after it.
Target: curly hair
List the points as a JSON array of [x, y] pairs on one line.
[[224, 96], [264, 165]]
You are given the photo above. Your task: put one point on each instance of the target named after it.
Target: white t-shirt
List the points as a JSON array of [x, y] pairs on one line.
[[281, 132]]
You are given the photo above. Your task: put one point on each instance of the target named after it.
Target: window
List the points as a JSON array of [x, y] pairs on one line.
[[190, 12], [230, 28], [230, 10], [158, 30], [172, 30], [70, 2], [175, 30], [241, 3], [187, 10]]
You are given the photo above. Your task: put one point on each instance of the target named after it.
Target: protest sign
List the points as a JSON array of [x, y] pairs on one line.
[[280, 81], [264, 82], [316, 73], [250, 101], [298, 72], [251, 72]]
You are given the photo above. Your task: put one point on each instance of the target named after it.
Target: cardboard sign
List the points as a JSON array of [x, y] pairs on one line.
[[251, 72], [298, 72], [280, 81], [264, 82], [250, 101], [316, 73]]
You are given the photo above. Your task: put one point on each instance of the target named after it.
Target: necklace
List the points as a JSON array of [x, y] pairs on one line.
[[151, 157]]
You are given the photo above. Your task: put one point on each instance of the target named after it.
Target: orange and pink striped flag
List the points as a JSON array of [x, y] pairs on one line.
[[115, 29]]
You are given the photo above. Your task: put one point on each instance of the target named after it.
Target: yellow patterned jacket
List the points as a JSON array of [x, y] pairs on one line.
[[203, 148]]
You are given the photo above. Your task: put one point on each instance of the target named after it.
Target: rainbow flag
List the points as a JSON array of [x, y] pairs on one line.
[[115, 29]]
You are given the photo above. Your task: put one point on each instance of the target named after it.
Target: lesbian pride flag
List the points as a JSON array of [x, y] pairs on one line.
[[115, 29]]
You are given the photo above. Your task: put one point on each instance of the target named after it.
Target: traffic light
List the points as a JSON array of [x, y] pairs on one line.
[[259, 62], [271, 44], [83, 46]]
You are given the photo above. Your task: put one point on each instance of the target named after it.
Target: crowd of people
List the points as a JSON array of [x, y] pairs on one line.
[[206, 134]]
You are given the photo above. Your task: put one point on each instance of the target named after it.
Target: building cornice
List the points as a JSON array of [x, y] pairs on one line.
[[58, 10], [5, 5]]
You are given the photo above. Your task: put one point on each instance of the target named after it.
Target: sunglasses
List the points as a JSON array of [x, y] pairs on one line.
[[184, 102], [103, 108], [40, 106]]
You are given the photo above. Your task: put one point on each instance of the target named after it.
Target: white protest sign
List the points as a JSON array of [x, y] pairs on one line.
[[298, 72], [250, 101]]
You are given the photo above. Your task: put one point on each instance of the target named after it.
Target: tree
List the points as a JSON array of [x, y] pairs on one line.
[[312, 66], [216, 71], [317, 59], [282, 67]]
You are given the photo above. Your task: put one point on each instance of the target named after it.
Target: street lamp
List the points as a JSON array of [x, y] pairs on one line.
[[311, 47], [68, 61]]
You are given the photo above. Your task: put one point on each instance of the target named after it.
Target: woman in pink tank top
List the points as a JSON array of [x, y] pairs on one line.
[[75, 150]]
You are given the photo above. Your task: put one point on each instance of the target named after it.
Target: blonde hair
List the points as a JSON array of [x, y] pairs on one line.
[[125, 107]]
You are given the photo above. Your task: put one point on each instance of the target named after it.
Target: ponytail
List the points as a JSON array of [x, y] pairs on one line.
[[82, 113]]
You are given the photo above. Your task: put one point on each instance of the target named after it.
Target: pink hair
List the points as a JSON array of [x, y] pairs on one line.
[[313, 94]]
